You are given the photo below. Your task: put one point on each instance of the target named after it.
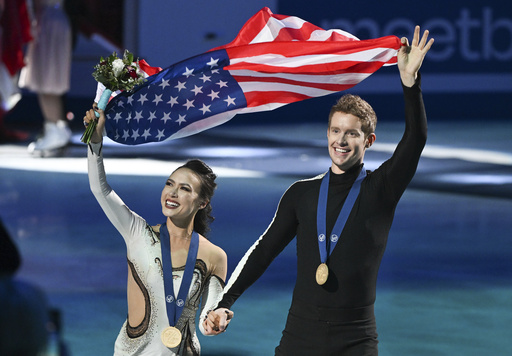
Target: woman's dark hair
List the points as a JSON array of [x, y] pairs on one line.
[[204, 172]]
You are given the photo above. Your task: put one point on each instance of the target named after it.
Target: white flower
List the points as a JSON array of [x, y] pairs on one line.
[[117, 67], [140, 73]]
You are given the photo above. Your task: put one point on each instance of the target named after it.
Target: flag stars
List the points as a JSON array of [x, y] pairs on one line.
[[155, 113], [117, 117], [166, 117], [180, 86], [205, 78], [189, 104], [160, 135], [213, 95], [152, 115], [181, 119], [138, 116], [188, 72], [222, 84], [230, 100], [164, 83], [142, 99], [205, 109], [173, 100], [197, 90], [158, 98], [146, 134], [213, 62], [135, 134]]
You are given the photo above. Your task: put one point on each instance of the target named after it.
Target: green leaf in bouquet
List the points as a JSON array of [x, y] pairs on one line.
[[128, 56]]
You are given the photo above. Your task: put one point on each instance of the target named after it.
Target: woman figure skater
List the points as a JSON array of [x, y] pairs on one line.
[[172, 266]]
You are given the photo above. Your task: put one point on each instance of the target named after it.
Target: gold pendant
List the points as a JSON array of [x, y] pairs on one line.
[[322, 273], [171, 337]]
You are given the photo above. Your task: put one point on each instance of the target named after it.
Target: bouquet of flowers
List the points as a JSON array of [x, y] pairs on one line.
[[115, 74]]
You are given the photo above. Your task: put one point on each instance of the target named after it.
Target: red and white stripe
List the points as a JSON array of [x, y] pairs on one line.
[[265, 26], [280, 59]]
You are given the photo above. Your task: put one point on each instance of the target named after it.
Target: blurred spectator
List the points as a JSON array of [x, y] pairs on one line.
[[47, 71], [14, 34], [23, 312]]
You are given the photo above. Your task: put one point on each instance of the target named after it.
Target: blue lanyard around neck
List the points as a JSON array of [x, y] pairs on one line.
[[321, 215], [174, 305]]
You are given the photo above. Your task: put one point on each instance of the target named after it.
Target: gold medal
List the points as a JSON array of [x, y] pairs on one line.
[[322, 272], [171, 337]]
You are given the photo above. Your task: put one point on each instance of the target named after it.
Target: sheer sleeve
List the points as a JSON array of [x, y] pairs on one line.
[[128, 223]]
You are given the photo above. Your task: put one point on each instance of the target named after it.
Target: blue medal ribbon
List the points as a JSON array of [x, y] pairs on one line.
[[321, 215], [174, 305]]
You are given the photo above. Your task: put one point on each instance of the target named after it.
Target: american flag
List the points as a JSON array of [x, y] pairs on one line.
[[275, 60]]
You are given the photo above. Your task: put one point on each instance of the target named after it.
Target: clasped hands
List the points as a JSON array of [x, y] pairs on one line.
[[217, 321]]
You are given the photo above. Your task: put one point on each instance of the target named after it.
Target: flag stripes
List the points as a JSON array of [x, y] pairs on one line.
[[274, 60]]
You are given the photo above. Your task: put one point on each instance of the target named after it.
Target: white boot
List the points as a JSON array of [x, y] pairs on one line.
[[55, 136]]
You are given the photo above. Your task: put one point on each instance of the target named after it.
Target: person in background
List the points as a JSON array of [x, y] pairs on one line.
[[47, 72], [14, 35], [23, 311]]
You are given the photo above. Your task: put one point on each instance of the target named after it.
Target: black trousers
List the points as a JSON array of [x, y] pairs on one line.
[[318, 331]]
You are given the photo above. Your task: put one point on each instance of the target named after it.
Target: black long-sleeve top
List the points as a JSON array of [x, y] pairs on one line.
[[354, 263]]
